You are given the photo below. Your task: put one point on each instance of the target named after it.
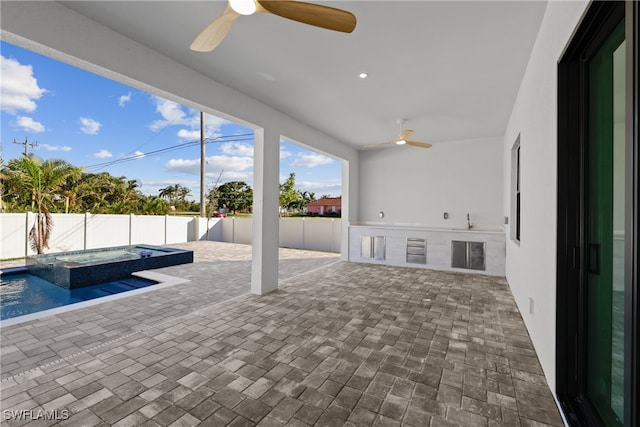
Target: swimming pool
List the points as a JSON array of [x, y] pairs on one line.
[[22, 293]]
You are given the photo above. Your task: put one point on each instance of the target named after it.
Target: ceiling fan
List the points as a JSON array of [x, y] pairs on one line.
[[307, 13], [403, 139]]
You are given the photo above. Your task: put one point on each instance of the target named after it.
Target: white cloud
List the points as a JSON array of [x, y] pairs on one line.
[[171, 112], [229, 163], [329, 184], [231, 176], [190, 135], [284, 154], [27, 123], [124, 99], [174, 114], [103, 154], [165, 182], [311, 160], [212, 123], [185, 166], [237, 149], [332, 187], [138, 155], [215, 164], [89, 126], [18, 87], [55, 147]]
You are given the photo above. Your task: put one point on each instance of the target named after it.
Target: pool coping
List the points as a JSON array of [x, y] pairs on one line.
[[164, 281]]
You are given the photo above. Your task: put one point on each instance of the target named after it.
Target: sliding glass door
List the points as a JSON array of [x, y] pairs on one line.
[[605, 228], [598, 326]]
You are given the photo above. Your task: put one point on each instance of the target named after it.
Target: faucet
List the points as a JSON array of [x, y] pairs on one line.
[[469, 224]]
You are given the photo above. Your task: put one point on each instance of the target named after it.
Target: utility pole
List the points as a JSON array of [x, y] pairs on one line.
[[26, 144], [203, 162]]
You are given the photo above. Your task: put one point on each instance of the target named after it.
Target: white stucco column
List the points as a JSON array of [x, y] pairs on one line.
[[266, 193], [350, 184]]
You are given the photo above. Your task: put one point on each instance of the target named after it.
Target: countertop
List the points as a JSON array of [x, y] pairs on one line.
[[424, 228]]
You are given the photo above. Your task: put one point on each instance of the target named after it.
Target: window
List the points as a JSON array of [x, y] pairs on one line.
[[515, 191]]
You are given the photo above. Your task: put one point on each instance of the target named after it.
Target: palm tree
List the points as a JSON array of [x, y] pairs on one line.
[[169, 192], [94, 191], [306, 197], [125, 195], [182, 192], [42, 181], [71, 191], [176, 195], [152, 205]]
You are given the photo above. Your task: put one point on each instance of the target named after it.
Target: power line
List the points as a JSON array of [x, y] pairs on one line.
[[163, 150], [139, 156], [155, 135], [223, 138]]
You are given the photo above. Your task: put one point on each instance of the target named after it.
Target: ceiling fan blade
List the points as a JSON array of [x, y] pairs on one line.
[[312, 14], [419, 144], [381, 144], [215, 32], [406, 134]]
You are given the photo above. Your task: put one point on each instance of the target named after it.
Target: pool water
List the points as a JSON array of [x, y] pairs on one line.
[[94, 258], [97, 256], [22, 293]]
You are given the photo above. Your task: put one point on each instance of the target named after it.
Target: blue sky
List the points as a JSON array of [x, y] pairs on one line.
[[95, 123]]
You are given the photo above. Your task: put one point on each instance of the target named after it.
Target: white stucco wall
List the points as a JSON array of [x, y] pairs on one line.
[[415, 187], [531, 266]]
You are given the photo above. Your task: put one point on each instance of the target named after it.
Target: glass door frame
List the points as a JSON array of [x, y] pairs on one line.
[[597, 23]]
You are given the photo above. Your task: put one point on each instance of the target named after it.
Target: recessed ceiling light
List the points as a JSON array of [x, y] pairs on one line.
[[363, 75]]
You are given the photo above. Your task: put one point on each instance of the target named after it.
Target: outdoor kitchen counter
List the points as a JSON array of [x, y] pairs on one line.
[[427, 247]]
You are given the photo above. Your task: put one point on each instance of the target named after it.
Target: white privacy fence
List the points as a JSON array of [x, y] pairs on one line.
[[87, 231]]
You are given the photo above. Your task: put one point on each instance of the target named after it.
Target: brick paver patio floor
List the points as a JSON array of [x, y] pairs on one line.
[[337, 344]]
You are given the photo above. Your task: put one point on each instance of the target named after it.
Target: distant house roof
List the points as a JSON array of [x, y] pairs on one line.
[[327, 201]]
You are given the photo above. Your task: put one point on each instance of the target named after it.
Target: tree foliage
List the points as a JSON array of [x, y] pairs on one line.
[[288, 193], [292, 199], [30, 184], [176, 195], [31, 180], [234, 196]]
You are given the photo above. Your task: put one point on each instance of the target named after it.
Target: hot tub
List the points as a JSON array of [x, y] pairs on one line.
[[77, 269]]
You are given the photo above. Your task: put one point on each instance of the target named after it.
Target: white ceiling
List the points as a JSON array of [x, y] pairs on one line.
[[451, 68]]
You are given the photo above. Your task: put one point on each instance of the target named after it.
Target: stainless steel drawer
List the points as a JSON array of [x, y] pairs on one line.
[[416, 251], [416, 259]]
